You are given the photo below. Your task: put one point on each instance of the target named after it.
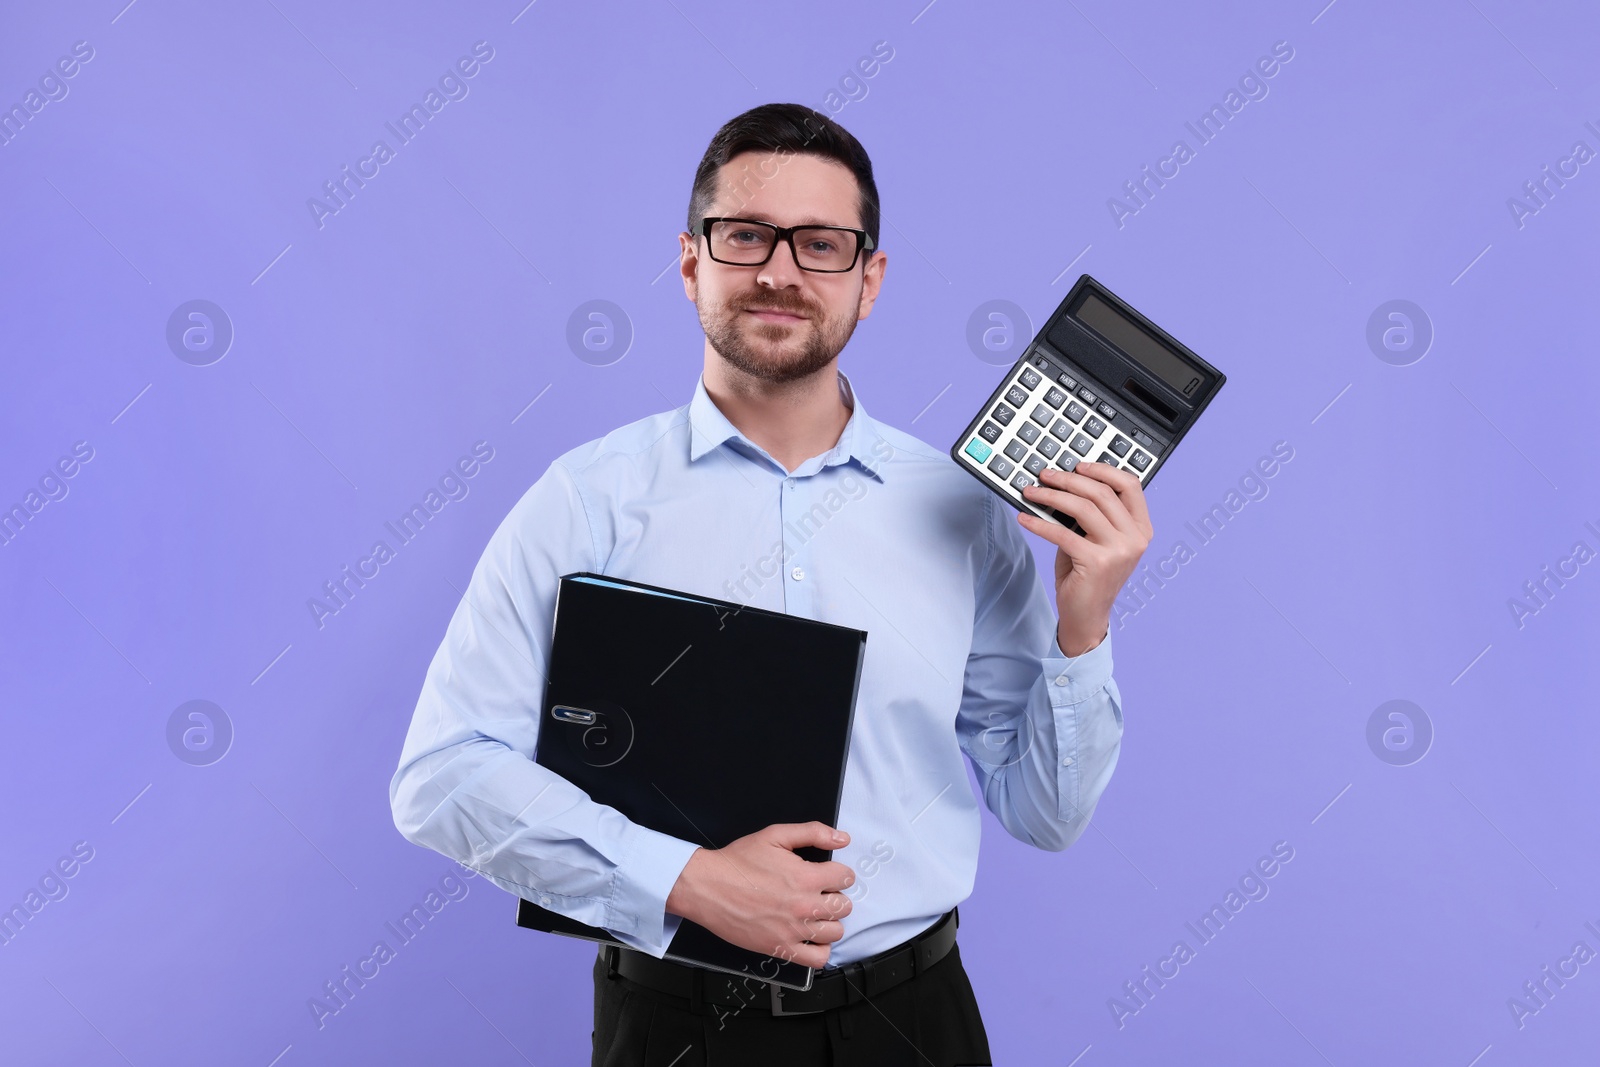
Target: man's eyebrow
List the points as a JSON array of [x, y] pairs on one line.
[[809, 220]]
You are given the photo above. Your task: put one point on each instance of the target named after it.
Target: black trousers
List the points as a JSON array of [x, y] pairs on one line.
[[931, 1019]]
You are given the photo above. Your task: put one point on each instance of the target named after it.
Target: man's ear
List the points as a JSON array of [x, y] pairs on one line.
[[872, 282], [689, 265]]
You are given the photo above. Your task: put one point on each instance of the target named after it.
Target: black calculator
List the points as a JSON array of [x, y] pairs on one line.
[[1099, 382]]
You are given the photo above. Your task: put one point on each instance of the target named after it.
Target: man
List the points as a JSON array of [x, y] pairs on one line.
[[773, 487]]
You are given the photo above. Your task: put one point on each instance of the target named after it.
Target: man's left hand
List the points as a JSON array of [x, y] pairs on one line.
[[1090, 567]]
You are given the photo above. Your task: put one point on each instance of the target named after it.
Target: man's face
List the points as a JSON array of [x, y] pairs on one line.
[[776, 322]]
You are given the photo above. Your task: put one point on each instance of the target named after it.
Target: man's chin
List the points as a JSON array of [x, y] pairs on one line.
[[775, 367]]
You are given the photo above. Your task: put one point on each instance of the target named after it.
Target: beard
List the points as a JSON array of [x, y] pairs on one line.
[[775, 351]]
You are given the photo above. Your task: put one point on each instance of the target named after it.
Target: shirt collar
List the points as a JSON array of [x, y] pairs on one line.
[[709, 428]]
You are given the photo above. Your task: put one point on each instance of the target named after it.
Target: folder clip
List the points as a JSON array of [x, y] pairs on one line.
[[580, 716]]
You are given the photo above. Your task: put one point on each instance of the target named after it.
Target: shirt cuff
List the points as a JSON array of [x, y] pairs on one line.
[[638, 912], [1073, 679]]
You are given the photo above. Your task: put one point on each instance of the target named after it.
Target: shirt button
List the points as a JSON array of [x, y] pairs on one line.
[[1066, 761], [798, 574], [545, 901]]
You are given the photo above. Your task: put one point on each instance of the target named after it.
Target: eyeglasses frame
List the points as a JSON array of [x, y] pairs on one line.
[[785, 235]]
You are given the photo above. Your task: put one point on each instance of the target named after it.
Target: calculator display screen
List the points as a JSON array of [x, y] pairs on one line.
[[1154, 356]]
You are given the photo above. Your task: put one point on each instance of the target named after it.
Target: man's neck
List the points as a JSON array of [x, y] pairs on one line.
[[793, 421]]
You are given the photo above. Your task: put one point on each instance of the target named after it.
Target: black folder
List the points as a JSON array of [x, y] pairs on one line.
[[700, 718]]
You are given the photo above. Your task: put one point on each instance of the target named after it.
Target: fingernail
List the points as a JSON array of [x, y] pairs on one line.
[[838, 838]]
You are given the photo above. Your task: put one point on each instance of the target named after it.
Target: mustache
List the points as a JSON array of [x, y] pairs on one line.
[[787, 305]]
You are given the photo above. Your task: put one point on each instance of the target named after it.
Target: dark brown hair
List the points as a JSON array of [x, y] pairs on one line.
[[785, 128]]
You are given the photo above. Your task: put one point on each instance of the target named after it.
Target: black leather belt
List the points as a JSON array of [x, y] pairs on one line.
[[829, 989]]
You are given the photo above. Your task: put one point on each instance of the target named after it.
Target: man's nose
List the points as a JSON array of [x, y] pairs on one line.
[[780, 271]]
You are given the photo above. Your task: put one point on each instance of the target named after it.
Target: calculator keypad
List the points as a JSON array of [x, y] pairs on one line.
[[1065, 423]]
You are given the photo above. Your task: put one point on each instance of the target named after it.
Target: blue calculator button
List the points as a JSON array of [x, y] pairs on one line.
[[978, 450]]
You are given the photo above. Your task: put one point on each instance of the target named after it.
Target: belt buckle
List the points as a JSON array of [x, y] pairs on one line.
[[775, 992]]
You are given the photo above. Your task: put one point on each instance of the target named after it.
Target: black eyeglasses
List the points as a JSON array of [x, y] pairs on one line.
[[748, 243]]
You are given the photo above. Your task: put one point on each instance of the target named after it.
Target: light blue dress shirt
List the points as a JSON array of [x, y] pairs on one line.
[[882, 533]]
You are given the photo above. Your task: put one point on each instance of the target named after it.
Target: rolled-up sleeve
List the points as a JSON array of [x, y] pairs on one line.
[[1043, 730], [467, 785]]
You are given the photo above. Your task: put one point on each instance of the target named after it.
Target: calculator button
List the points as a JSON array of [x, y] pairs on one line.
[[1107, 458], [1107, 410], [1067, 380], [1002, 414], [1041, 414], [1062, 429], [1048, 446], [1034, 463], [1016, 396], [978, 450], [1094, 427], [1081, 445], [1028, 432], [1066, 461], [999, 465], [1089, 397], [1145, 439], [1120, 445], [989, 432], [1016, 450], [1055, 397], [1029, 377], [1076, 412], [1138, 461], [1022, 481]]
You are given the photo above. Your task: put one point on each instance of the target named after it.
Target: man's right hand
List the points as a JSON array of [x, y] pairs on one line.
[[757, 894]]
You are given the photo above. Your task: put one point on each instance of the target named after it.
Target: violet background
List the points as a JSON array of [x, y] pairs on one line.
[[431, 311]]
